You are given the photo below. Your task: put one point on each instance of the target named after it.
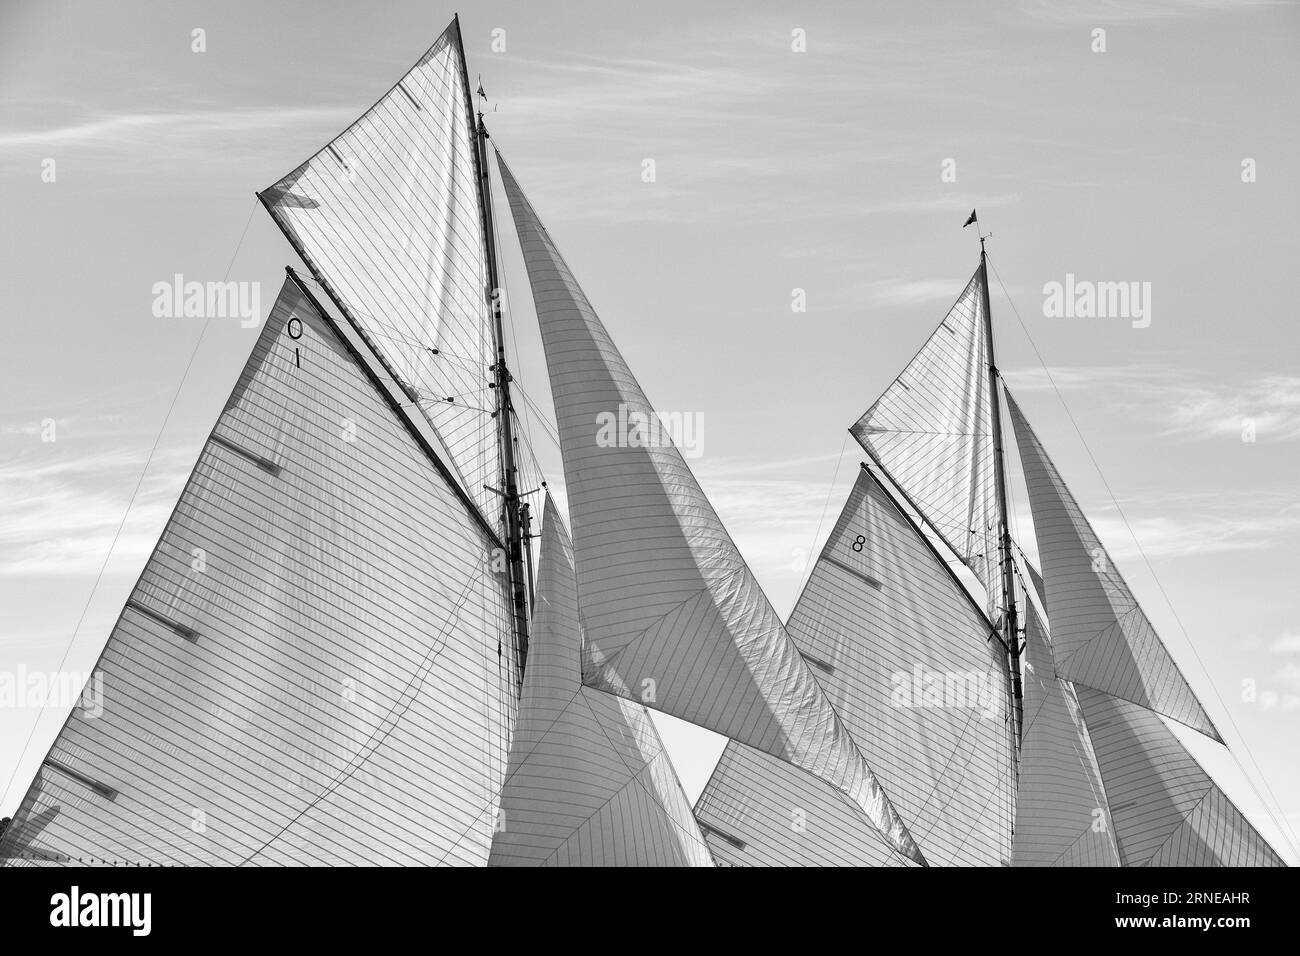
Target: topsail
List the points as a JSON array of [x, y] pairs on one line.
[[932, 432], [387, 214]]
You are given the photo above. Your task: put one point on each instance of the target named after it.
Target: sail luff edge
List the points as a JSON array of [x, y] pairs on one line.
[[364, 362]]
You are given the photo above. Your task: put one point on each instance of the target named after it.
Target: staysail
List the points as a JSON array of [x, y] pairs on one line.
[[588, 781], [1100, 636], [914, 669], [388, 218], [673, 616], [759, 810], [1062, 815], [1162, 807], [932, 433], [309, 668], [1165, 809]]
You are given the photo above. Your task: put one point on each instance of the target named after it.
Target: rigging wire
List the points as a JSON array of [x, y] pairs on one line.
[[94, 588], [1278, 818], [830, 492]]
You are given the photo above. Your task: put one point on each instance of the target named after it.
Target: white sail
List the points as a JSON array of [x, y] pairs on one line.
[[308, 670], [1100, 636], [1165, 810], [911, 665], [387, 213], [1062, 816], [932, 432], [673, 616], [589, 783], [761, 811]]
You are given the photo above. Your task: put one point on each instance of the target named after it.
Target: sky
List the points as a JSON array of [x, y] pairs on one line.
[[844, 170]]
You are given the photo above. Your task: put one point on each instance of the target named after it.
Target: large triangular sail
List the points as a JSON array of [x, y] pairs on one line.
[[589, 782], [1100, 636], [673, 616], [388, 218], [914, 669], [932, 433], [309, 669]]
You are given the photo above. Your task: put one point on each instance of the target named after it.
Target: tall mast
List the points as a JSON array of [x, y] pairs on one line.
[[1010, 628], [512, 506]]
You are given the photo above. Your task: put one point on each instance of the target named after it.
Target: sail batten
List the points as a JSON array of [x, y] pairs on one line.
[[673, 616]]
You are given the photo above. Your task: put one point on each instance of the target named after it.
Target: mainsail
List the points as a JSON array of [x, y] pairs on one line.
[[308, 670], [932, 433], [387, 216], [673, 616], [589, 782], [916, 672], [1100, 636]]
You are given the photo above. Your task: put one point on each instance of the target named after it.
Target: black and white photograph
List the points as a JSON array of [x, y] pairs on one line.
[[629, 435]]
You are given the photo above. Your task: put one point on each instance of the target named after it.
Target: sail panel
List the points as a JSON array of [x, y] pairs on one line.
[[1062, 816], [388, 214], [589, 782], [1100, 636], [1165, 810], [761, 811], [308, 670], [932, 431], [673, 616]]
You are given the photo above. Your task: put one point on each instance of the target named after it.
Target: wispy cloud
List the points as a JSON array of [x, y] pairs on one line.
[[1194, 409], [900, 292], [1286, 644], [1290, 675], [162, 134], [64, 509], [1100, 12], [1219, 523]]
